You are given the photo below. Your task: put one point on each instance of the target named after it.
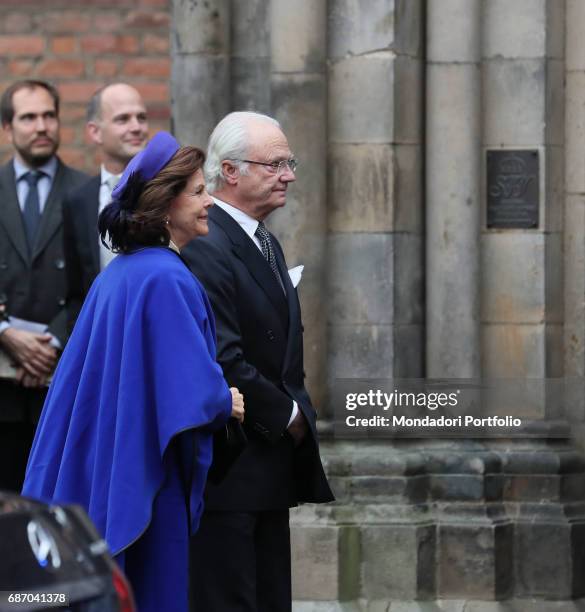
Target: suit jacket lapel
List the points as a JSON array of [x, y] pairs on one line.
[[51, 218], [249, 253], [294, 312], [91, 213], [10, 214]]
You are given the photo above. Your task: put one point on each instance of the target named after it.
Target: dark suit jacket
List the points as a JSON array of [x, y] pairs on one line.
[[260, 348], [82, 253], [34, 286]]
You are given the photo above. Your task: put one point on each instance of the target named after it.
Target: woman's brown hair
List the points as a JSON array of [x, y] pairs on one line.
[[138, 217]]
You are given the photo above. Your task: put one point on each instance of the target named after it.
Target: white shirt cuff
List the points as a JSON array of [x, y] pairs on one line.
[[295, 411]]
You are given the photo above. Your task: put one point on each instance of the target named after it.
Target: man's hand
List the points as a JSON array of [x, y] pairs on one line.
[[28, 381], [299, 428], [237, 404], [32, 351]]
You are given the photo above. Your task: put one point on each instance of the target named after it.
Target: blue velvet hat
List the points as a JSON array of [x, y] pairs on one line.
[[148, 163]]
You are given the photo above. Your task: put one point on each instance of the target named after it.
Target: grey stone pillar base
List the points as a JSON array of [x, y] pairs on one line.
[[445, 525], [452, 605]]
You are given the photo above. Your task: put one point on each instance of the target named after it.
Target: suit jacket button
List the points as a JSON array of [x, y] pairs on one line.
[[270, 334], [3, 265], [61, 301], [59, 264]]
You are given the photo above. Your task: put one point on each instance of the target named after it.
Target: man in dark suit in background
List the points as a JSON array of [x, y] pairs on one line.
[[241, 553], [32, 264], [117, 124]]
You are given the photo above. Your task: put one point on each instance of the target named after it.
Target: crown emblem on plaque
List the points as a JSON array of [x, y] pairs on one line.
[[512, 165]]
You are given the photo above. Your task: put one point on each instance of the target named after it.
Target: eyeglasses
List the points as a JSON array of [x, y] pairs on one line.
[[276, 167]]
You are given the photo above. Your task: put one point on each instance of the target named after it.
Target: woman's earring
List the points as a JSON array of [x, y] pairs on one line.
[[167, 220]]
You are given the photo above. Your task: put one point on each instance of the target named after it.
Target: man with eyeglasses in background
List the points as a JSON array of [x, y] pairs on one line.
[[241, 552], [117, 124], [32, 265]]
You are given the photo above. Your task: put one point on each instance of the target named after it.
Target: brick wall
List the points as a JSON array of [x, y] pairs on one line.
[[80, 45]]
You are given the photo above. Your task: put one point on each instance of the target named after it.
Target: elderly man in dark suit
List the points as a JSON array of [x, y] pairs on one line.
[[241, 553], [117, 124], [32, 265]]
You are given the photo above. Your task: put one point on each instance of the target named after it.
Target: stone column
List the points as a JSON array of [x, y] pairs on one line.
[[375, 189], [453, 179], [200, 83], [250, 51], [298, 100], [574, 225], [522, 280]]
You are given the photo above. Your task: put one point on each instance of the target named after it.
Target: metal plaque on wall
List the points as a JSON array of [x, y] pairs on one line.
[[512, 189]]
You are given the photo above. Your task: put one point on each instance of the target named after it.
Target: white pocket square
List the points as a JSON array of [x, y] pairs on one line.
[[296, 274]]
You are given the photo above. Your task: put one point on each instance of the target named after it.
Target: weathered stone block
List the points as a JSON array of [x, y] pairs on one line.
[[365, 351], [554, 350], [361, 178], [555, 102], [574, 287], [543, 560], [575, 17], [575, 137], [515, 30], [409, 350], [514, 350], [212, 34], [250, 21], [455, 30], [395, 102], [515, 102], [552, 219], [531, 487], [299, 103], [556, 26], [357, 27], [408, 185], [353, 101], [408, 104], [251, 84], [451, 487], [199, 85], [475, 561], [553, 280], [361, 283], [409, 20], [456, 120], [408, 287], [398, 561], [513, 280], [577, 558], [298, 33], [382, 181], [325, 561]]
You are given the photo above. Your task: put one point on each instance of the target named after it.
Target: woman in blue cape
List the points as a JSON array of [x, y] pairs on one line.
[[126, 430]]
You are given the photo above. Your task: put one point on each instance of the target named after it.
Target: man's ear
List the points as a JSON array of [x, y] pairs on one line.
[[94, 132], [7, 129], [230, 172]]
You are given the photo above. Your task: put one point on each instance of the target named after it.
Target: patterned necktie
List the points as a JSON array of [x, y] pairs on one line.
[[266, 245], [112, 181], [32, 208]]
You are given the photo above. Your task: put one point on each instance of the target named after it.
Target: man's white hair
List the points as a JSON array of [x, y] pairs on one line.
[[230, 140]]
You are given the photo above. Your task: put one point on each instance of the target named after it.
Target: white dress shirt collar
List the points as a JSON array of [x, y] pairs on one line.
[[106, 174], [49, 169], [247, 223]]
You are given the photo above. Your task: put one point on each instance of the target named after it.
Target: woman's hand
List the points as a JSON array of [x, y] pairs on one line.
[[237, 404]]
